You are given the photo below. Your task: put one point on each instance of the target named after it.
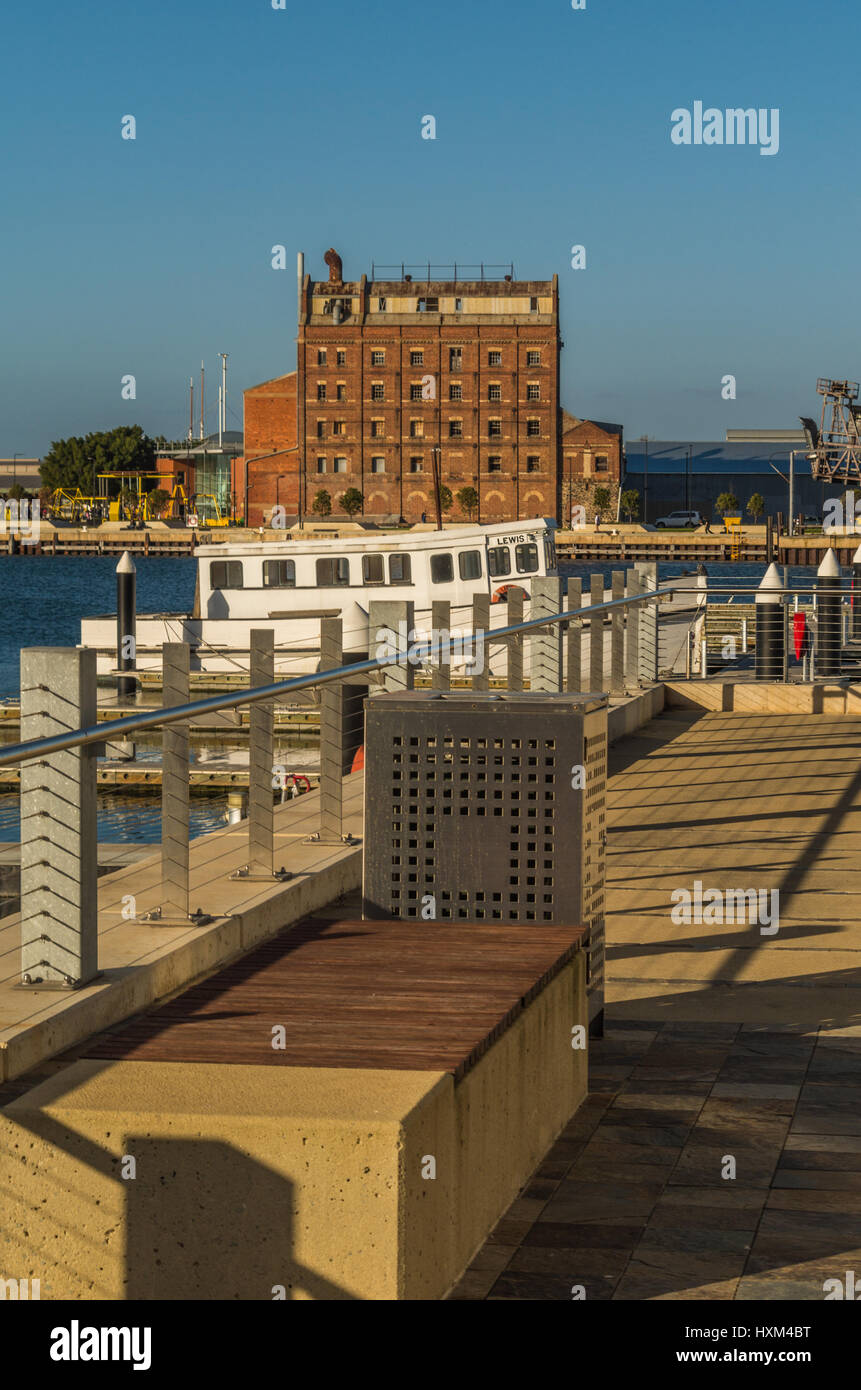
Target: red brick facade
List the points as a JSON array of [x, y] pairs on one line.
[[390, 370], [591, 458], [271, 436]]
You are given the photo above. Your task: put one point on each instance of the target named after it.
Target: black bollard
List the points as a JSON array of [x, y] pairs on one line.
[[856, 596], [828, 635], [769, 627], [126, 584]]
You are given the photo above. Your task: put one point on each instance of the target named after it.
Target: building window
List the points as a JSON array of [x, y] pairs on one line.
[[415, 391], [378, 429], [498, 561], [494, 359], [533, 391], [416, 465], [279, 574], [469, 564], [533, 427], [372, 569], [225, 574], [321, 390], [494, 429], [601, 463], [321, 465], [442, 569], [333, 571], [381, 303], [458, 306], [455, 429], [378, 391], [455, 359], [340, 465], [533, 463], [417, 359], [428, 305], [378, 359], [341, 391], [533, 304], [339, 427], [527, 558], [341, 359], [455, 391], [321, 357], [494, 464], [378, 465], [417, 429], [533, 359], [321, 429], [494, 391], [400, 571]]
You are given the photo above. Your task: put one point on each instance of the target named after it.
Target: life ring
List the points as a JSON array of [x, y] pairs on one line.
[[500, 595], [300, 777], [359, 760]]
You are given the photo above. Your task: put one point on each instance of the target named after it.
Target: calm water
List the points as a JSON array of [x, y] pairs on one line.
[[42, 602]]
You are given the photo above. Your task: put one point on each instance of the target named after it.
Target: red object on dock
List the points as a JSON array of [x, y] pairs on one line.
[[799, 633]]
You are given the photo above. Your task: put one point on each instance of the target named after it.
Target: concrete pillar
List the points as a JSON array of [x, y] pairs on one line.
[[59, 872], [261, 755], [174, 784], [441, 627], [390, 623], [331, 732], [828, 616], [769, 627], [596, 635], [632, 639], [648, 634], [546, 644], [575, 637], [855, 627], [617, 636], [480, 626], [515, 644]]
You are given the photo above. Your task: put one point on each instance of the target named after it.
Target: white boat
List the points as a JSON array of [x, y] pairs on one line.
[[290, 585]]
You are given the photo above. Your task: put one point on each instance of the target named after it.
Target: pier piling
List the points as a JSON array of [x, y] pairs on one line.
[[768, 660], [828, 616]]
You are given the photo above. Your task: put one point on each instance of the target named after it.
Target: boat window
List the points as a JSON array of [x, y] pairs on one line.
[[372, 569], [499, 561], [442, 569], [549, 553], [225, 574], [279, 574], [333, 571], [527, 558], [400, 571], [469, 564]]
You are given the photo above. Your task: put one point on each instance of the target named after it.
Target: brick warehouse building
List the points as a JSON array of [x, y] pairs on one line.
[[591, 458], [389, 369]]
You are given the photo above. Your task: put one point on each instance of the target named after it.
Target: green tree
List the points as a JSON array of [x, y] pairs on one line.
[[631, 502], [756, 506], [445, 499], [74, 462], [467, 500], [351, 501], [322, 504], [727, 502], [602, 498], [157, 500]]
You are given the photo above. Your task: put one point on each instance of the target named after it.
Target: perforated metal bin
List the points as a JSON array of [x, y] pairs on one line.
[[488, 808]]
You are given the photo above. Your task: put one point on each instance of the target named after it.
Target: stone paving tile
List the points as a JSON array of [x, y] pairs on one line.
[[630, 1201]]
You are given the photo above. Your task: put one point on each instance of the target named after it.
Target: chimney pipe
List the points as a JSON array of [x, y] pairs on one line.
[[300, 280]]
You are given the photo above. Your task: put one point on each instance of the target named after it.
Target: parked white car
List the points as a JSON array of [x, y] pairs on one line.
[[680, 519]]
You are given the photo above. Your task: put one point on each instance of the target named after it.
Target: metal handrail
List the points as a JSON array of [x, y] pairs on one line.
[[99, 733]]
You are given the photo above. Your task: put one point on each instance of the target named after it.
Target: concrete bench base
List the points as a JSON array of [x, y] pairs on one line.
[[257, 1182]]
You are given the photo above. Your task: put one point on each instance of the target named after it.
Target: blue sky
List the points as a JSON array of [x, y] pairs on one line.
[[302, 127]]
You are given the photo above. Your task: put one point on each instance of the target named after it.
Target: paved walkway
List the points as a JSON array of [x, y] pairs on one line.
[[723, 1046]]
